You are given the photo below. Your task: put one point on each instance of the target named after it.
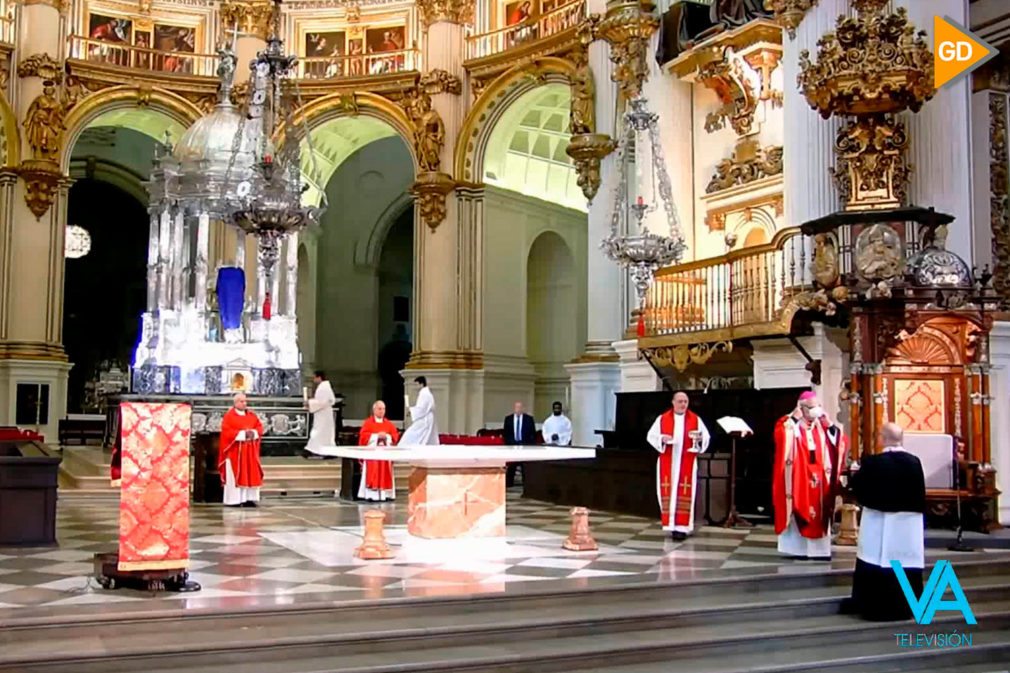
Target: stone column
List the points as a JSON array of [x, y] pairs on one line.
[[595, 375], [447, 266], [32, 225], [940, 147], [808, 150]]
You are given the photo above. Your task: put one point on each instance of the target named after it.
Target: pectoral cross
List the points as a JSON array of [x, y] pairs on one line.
[[685, 486]]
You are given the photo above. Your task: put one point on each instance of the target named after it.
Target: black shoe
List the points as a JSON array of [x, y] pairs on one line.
[[678, 536], [249, 503]]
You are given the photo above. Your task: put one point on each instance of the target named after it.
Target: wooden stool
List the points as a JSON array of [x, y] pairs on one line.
[[849, 534], [374, 545], [579, 538]]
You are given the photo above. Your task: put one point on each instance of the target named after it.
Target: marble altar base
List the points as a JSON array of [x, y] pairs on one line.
[[456, 502]]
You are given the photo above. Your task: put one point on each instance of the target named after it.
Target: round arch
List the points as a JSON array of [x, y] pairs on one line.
[[471, 144], [338, 105], [370, 249], [156, 101], [10, 143]]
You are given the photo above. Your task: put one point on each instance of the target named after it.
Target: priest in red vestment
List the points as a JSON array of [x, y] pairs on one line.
[[377, 475], [239, 455], [809, 450], [679, 436]]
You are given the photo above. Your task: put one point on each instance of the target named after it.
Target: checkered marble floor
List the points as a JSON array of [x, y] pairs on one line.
[[291, 549]]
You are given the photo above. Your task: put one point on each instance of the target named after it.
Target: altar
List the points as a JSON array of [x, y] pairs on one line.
[[457, 491]]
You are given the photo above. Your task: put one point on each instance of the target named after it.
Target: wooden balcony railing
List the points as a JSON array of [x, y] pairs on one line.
[[141, 58], [534, 28], [741, 288], [357, 65]]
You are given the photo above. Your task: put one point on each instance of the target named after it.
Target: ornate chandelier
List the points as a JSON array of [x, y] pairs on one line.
[[263, 196], [641, 185]]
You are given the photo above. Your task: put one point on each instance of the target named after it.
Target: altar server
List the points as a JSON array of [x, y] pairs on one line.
[[422, 428], [239, 455], [679, 435], [557, 429], [321, 406], [377, 475], [891, 488], [809, 449]]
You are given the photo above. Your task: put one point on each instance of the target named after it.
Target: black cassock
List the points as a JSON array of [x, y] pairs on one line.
[[891, 489]]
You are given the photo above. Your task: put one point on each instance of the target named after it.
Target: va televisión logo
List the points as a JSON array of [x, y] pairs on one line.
[[925, 607]]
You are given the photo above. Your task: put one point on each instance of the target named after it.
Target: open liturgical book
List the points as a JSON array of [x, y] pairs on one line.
[[731, 424]]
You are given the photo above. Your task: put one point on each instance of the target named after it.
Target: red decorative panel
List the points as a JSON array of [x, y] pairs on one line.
[[154, 499], [919, 405]]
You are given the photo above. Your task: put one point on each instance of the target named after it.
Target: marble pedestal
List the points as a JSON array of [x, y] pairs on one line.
[[456, 502]]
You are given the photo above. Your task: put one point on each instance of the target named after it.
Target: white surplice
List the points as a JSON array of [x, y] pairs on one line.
[[655, 439], [321, 407], [557, 425], [422, 428], [891, 536]]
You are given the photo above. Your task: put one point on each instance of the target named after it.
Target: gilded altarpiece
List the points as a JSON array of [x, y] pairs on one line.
[[927, 371]]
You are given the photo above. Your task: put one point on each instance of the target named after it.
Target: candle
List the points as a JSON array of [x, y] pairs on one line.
[[406, 402], [305, 393]]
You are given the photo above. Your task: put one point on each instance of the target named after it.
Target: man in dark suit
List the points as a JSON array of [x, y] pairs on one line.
[[519, 429]]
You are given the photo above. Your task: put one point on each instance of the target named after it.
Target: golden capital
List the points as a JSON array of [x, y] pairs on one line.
[[587, 149], [450, 11], [251, 17], [42, 180], [627, 27], [59, 5], [439, 81], [43, 66], [429, 192], [789, 13]]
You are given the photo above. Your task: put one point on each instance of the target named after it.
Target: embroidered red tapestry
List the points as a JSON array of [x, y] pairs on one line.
[[154, 493]]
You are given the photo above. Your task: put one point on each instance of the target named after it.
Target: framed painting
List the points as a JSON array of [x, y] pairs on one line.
[[177, 40], [325, 44], [518, 11], [387, 38], [110, 28]]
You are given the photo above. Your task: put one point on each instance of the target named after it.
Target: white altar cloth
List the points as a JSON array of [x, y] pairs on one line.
[[458, 455]]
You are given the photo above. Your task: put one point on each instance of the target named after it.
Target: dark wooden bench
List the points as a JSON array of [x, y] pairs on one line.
[[81, 430]]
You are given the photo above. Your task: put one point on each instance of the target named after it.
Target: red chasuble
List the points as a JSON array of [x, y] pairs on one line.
[[685, 489], [379, 473], [243, 456], [802, 487]]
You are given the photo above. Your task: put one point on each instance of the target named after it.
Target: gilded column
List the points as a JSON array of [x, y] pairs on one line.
[[607, 305], [34, 221], [445, 330]]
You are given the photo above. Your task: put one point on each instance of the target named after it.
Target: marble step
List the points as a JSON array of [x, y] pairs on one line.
[[799, 643], [353, 633], [354, 630]]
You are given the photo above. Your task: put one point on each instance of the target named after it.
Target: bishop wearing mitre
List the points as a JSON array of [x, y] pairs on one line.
[[377, 475], [239, 455], [679, 435], [809, 449]]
